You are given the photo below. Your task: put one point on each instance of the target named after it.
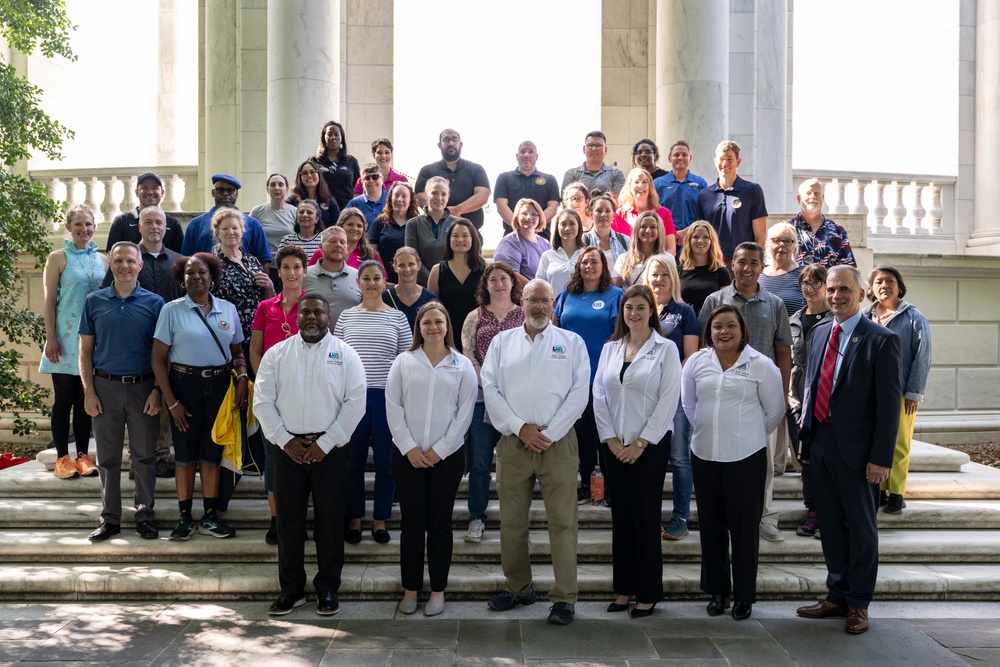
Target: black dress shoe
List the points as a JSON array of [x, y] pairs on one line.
[[381, 535], [353, 537], [615, 607], [718, 605], [642, 613], [285, 604], [104, 531], [742, 610], [147, 530], [327, 605], [883, 498]]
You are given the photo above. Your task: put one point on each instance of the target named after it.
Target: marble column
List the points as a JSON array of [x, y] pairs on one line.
[[303, 78], [168, 84], [985, 238], [692, 77], [770, 131], [222, 76]]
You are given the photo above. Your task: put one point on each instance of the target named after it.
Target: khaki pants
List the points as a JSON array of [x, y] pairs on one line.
[[777, 448], [556, 472]]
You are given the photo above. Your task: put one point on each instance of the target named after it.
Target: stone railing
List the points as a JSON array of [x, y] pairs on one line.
[[916, 205], [111, 191]]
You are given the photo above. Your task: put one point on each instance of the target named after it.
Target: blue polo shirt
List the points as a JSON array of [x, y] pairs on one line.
[[122, 329], [681, 197], [191, 344], [676, 321], [198, 237], [732, 212], [370, 208]]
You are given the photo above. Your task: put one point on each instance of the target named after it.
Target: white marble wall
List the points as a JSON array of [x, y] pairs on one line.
[[693, 77], [742, 41], [251, 159], [966, 167], [222, 88], [985, 238], [367, 57], [625, 56], [303, 78], [169, 83], [770, 131]]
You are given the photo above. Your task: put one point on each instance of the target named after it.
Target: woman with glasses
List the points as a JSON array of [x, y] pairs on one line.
[[309, 184], [276, 319], [781, 274], [645, 155], [576, 197]]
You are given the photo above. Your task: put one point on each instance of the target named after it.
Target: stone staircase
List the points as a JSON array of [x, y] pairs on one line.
[[945, 545]]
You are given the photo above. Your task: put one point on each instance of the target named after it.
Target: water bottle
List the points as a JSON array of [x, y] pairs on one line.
[[597, 486]]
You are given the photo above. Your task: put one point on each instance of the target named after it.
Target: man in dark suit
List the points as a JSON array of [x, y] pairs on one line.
[[850, 413]]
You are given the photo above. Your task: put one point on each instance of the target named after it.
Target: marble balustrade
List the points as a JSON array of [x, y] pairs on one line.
[[111, 191], [893, 204]]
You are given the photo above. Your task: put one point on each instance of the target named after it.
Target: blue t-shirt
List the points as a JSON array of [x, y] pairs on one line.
[[678, 320], [370, 208], [593, 316], [198, 237], [681, 197], [122, 329]]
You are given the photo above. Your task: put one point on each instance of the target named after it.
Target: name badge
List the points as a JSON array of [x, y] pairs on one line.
[[598, 305]]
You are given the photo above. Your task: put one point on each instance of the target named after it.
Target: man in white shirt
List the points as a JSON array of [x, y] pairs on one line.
[[536, 381], [309, 397], [332, 277]]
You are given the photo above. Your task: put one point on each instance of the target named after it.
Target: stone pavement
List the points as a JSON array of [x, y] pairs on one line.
[[910, 634]]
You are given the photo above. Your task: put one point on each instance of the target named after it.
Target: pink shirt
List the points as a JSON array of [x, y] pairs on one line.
[[394, 177], [625, 220], [270, 317]]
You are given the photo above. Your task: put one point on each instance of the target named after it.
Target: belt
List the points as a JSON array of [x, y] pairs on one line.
[[125, 379], [203, 371], [309, 436]]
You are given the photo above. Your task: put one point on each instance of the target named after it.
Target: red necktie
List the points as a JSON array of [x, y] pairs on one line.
[[825, 386]]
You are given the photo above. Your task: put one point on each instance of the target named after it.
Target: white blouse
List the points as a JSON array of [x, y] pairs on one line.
[[644, 404], [557, 268], [430, 407], [731, 411]]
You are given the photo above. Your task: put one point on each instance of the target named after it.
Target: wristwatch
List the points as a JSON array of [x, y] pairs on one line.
[[639, 443]]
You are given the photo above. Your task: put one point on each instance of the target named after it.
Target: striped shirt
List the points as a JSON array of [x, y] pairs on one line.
[[378, 338], [309, 245]]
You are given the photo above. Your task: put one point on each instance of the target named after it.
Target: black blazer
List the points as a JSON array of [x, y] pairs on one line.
[[867, 396]]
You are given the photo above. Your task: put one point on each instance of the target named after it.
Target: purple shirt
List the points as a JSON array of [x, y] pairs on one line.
[[521, 254]]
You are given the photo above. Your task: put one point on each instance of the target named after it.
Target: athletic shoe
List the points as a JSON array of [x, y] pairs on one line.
[[184, 529], [507, 600], [771, 533], [677, 529], [211, 524], [66, 468], [475, 534], [561, 613], [809, 526], [85, 465]]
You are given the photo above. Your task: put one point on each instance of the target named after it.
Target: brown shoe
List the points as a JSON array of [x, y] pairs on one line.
[[65, 468], [85, 465], [824, 609], [857, 621]]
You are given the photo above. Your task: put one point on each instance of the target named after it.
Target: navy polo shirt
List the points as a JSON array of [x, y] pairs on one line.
[[370, 208], [732, 212], [464, 180], [681, 197], [515, 185], [122, 329], [676, 321], [198, 237]]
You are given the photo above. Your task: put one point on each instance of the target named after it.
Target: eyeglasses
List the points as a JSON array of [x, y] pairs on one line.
[[812, 284], [783, 242], [537, 302], [286, 329], [593, 147], [373, 177]]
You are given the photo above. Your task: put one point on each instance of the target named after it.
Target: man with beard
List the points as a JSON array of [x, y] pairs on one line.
[[470, 187], [526, 182], [536, 382], [821, 240], [309, 397], [125, 226], [199, 236]]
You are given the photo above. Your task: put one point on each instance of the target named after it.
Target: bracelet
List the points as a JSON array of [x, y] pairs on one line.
[[241, 376], [176, 403]]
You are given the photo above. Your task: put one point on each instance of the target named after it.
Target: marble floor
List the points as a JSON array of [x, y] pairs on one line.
[[372, 633]]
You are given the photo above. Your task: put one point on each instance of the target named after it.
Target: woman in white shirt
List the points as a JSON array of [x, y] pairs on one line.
[[635, 396], [556, 265], [732, 396], [429, 398]]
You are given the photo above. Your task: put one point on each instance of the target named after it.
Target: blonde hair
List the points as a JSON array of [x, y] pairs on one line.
[[634, 256], [715, 259], [665, 262], [224, 213], [773, 231], [626, 199]]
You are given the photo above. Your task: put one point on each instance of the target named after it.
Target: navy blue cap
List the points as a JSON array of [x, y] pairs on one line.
[[226, 178], [148, 175]]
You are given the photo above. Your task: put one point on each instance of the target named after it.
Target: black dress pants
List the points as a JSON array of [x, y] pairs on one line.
[[730, 505], [636, 513], [327, 482]]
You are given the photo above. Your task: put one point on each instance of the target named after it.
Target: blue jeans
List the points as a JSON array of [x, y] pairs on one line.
[[374, 430], [484, 439], [680, 464]]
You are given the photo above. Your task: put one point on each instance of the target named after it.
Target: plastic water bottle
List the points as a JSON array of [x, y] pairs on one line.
[[597, 486]]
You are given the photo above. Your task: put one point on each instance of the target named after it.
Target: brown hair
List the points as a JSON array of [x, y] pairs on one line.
[[483, 290], [365, 251], [621, 328], [418, 339], [575, 285], [556, 239], [385, 217]]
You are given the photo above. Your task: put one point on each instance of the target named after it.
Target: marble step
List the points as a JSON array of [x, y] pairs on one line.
[[924, 457], [32, 480], [594, 545], [83, 514], [162, 580]]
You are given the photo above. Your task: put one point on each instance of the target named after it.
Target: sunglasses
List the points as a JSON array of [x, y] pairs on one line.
[[373, 177]]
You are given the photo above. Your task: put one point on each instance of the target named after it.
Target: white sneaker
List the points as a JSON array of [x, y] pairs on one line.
[[475, 534], [771, 533]]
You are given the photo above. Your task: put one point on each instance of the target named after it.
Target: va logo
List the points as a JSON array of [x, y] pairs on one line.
[[335, 355], [558, 349]]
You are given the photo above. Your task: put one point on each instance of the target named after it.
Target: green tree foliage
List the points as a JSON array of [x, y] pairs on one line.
[[25, 207]]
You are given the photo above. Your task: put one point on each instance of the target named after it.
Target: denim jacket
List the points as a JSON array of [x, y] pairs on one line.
[[914, 347]]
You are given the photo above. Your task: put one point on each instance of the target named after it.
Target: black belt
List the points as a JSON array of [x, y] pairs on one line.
[[125, 379], [203, 371], [309, 436]]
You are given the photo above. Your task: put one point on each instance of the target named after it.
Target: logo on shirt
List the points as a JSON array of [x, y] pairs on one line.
[[558, 352], [540, 180], [693, 185], [736, 202], [598, 305], [743, 370], [334, 359], [224, 325]]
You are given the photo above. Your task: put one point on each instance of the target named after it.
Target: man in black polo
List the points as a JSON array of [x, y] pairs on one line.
[[156, 277], [470, 187], [526, 181], [116, 344], [125, 226]]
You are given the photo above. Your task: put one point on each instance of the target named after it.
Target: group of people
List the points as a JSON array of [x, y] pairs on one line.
[[627, 322]]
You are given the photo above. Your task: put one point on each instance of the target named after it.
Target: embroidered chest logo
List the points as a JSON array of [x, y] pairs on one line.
[[558, 352], [334, 359], [743, 370], [540, 180], [224, 325]]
